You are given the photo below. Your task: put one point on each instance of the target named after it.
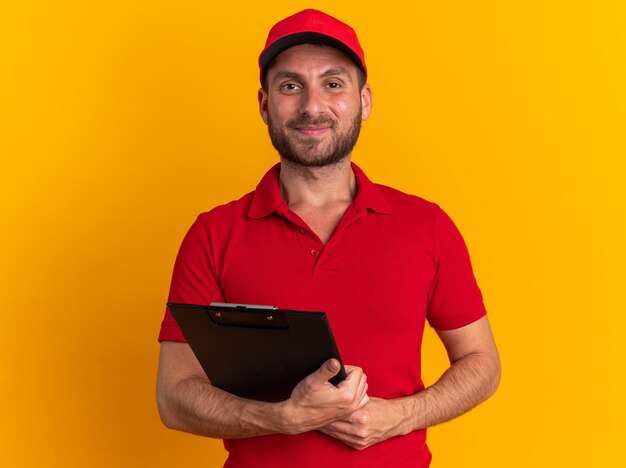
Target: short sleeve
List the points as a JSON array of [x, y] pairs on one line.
[[194, 278], [455, 299]]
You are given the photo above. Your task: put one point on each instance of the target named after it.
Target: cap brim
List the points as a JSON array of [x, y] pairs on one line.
[[305, 38]]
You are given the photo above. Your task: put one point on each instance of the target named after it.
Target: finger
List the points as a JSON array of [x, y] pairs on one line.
[[361, 389], [339, 427], [363, 385], [365, 398], [349, 439], [328, 370], [356, 385], [354, 374], [353, 377]]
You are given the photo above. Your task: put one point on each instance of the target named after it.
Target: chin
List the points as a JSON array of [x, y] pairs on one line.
[[312, 161]]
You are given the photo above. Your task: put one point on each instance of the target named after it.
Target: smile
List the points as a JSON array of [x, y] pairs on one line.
[[312, 131]]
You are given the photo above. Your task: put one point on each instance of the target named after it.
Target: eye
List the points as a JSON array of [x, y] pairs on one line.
[[333, 85], [289, 87]]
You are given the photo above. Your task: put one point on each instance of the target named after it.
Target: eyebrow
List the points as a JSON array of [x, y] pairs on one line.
[[287, 74], [336, 71], [297, 76]]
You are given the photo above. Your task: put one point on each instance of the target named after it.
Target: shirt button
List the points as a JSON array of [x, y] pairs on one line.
[[302, 230], [315, 252]]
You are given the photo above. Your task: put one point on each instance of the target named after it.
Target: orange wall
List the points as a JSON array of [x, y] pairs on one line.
[[121, 121]]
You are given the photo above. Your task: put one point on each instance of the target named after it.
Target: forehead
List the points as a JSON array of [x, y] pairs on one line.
[[311, 59]]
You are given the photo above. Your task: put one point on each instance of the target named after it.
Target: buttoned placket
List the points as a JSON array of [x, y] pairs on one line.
[[313, 249]]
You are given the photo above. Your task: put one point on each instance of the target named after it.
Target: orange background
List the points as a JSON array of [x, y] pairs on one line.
[[121, 121]]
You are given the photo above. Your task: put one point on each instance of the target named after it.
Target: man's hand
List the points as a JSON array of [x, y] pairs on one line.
[[473, 376], [315, 402], [188, 402], [378, 420]]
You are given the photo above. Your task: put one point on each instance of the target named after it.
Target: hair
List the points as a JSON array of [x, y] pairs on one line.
[[360, 76]]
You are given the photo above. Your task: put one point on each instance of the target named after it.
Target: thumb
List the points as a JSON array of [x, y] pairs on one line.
[[328, 370]]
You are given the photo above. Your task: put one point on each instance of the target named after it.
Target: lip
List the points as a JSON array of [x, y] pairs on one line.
[[312, 131]]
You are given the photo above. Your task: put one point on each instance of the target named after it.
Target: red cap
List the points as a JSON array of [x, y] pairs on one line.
[[311, 27]]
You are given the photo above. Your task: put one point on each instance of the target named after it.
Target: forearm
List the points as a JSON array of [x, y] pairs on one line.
[[472, 377], [189, 402], [468, 382], [194, 405]]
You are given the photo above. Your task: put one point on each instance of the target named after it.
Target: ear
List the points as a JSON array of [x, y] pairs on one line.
[[366, 101], [262, 97]]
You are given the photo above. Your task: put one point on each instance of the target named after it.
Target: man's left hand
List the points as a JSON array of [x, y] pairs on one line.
[[376, 421]]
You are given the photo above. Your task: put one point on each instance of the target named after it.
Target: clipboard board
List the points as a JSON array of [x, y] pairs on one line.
[[257, 352]]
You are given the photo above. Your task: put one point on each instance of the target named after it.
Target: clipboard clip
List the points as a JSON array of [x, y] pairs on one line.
[[247, 315]]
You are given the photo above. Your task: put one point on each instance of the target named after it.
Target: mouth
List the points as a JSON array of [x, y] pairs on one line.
[[312, 130]]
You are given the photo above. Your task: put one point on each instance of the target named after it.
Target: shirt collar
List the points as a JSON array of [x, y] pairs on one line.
[[368, 195], [267, 198]]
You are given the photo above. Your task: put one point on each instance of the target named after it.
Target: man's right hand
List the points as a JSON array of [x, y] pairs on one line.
[[315, 402], [188, 402]]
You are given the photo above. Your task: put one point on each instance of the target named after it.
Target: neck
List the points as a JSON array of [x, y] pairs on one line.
[[317, 186]]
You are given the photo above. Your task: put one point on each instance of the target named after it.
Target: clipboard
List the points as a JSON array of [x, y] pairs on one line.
[[257, 352]]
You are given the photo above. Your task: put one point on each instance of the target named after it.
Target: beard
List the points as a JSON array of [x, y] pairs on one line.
[[305, 151]]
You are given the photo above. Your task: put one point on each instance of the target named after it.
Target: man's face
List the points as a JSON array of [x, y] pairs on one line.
[[313, 105]]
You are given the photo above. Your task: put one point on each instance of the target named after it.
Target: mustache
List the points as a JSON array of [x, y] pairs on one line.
[[307, 121]]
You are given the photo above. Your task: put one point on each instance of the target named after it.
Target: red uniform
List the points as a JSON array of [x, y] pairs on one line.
[[393, 262]]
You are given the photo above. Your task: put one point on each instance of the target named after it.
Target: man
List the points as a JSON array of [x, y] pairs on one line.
[[316, 234]]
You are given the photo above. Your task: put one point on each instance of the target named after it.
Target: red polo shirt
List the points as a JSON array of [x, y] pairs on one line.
[[393, 262]]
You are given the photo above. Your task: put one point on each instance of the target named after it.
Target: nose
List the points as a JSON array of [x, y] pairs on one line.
[[312, 102]]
